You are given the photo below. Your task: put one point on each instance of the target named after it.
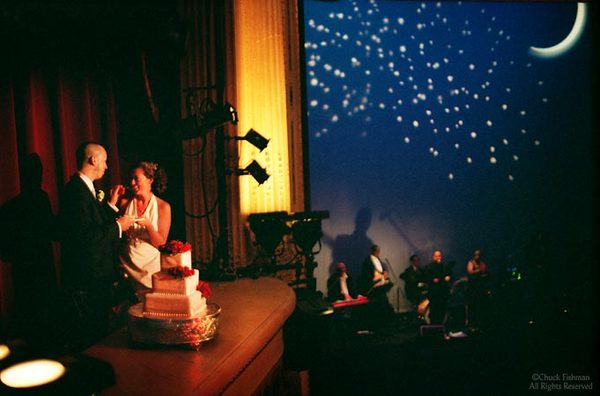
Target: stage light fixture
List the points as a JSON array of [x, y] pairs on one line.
[[26, 372], [217, 116], [255, 170], [32, 373], [4, 351], [306, 233], [212, 116], [269, 229], [254, 138]]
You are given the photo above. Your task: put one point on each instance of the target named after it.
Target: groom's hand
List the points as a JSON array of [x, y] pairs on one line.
[[115, 193], [125, 222]]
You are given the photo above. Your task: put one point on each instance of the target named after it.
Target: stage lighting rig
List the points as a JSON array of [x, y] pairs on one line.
[[269, 230], [254, 169], [305, 227], [208, 116], [254, 138]]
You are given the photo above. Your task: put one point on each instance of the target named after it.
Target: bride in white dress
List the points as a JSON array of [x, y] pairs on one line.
[[139, 256]]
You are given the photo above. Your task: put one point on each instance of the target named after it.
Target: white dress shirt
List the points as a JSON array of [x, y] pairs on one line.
[[90, 185]]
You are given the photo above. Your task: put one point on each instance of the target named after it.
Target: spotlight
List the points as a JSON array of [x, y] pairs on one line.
[[307, 233], [269, 229], [254, 138], [217, 116], [212, 116], [255, 170]]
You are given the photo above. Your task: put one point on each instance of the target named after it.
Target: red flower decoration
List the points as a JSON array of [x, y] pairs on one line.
[[175, 247], [204, 288], [181, 272]]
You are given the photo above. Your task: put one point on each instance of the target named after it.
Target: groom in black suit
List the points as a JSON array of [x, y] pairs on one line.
[[89, 234]]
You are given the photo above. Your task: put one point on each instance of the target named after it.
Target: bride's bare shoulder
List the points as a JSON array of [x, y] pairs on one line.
[[162, 204]]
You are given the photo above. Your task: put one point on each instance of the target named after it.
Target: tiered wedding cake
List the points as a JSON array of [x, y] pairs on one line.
[[175, 310], [174, 294]]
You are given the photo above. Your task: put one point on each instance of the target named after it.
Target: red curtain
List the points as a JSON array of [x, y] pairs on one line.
[[50, 111]]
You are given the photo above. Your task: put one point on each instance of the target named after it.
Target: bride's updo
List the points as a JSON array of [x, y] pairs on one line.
[[156, 174]]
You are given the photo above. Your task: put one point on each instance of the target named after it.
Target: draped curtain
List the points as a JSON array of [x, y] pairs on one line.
[[268, 76], [247, 53], [49, 109], [206, 70]]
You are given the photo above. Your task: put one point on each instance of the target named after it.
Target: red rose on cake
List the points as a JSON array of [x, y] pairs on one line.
[[180, 271], [175, 247], [175, 254], [204, 288]]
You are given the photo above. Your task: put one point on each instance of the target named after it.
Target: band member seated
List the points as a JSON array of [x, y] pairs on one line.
[[339, 284], [438, 277], [478, 291], [415, 285], [375, 284]]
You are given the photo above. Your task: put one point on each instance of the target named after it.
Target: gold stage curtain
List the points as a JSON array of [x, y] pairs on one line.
[[247, 53]]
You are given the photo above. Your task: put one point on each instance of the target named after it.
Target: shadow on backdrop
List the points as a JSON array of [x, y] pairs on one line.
[[351, 249], [26, 234]]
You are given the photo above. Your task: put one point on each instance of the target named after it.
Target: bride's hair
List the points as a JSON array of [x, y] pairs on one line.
[[156, 173]]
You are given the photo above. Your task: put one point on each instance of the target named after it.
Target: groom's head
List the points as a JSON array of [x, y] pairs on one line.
[[91, 160]]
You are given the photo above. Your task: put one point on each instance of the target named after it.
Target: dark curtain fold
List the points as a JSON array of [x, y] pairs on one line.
[[46, 111]]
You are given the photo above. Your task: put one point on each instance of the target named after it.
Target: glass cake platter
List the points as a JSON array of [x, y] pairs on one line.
[[193, 331]]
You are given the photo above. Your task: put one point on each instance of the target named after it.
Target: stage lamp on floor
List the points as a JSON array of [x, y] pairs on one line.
[[255, 170], [269, 230], [4, 352], [32, 374], [306, 233], [254, 138], [66, 375]]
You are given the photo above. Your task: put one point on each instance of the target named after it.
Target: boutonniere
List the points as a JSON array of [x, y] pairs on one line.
[[100, 195]]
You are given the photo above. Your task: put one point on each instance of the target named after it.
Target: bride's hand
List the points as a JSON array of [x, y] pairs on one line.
[[143, 222], [115, 193]]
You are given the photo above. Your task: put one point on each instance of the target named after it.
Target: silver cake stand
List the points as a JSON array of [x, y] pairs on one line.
[[192, 332]]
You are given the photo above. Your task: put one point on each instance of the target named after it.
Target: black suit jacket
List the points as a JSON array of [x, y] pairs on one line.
[[411, 279], [89, 236]]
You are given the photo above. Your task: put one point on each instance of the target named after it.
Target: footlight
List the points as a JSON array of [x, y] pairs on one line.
[[4, 351], [22, 373], [33, 373]]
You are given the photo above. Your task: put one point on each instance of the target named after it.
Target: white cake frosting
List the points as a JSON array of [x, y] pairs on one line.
[[163, 282], [164, 305], [172, 296], [170, 261]]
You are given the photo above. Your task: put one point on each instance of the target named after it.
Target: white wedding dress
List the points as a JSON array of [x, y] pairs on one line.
[[139, 257]]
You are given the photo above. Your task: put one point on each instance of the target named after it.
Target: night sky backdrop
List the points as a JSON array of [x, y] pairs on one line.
[[431, 126]]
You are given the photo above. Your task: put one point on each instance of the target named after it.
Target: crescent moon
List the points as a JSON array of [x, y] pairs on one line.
[[569, 41]]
